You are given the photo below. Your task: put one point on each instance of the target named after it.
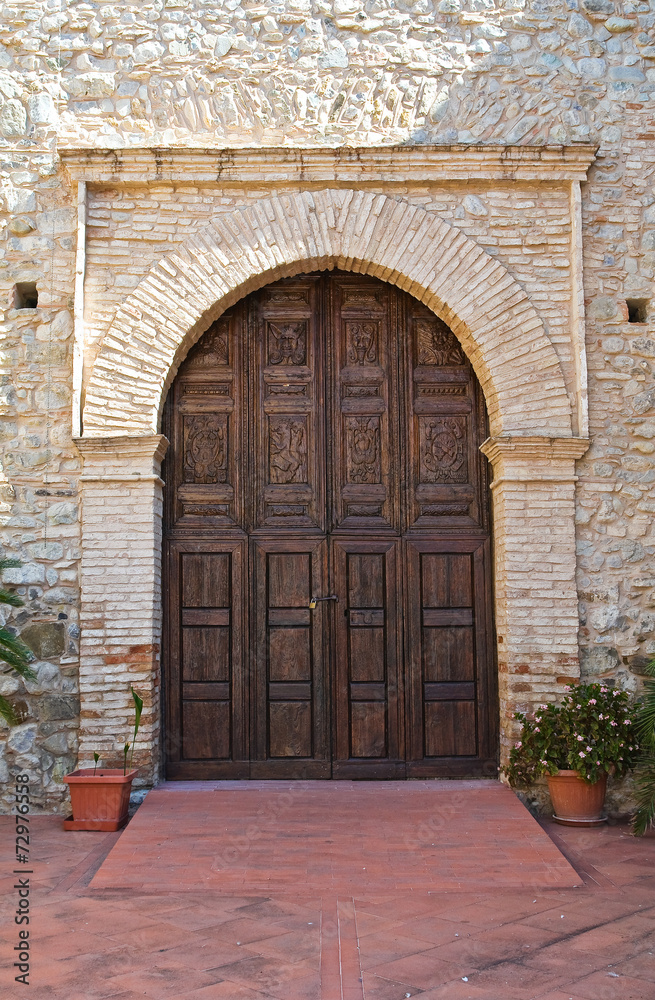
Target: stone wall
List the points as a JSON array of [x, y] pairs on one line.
[[311, 73], [39, 510], [168, 72]]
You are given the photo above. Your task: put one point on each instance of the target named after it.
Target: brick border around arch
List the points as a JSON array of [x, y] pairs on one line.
[[532, 448], [484, 305]]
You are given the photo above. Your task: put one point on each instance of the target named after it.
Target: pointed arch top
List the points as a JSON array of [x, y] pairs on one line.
[[499, 329]]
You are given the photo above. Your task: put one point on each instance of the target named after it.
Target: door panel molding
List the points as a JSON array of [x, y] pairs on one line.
[[289, 715], [206, 676], [368, 694], [451, 690]]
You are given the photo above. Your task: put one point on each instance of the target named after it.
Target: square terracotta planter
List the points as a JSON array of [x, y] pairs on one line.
[[100, 801]]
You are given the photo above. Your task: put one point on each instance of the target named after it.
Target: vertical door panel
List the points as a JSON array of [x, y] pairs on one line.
[[450, 687], [290, 704], [207, 696], [364, 405], [446, 474], [288, 477], [203, 468], [367, 725]]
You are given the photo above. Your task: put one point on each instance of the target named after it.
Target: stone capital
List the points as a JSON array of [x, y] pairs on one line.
[[530, 458], [126, 458]]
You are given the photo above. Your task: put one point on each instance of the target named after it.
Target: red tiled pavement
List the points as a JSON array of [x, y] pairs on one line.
[[336, 837], [453, 922]]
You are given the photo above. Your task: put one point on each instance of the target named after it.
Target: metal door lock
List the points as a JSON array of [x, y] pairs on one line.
[[315, 600]]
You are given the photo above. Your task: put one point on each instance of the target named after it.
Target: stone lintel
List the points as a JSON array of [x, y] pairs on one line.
[[347, 165]]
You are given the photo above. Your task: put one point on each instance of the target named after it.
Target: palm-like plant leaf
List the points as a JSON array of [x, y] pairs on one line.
[[138, 708], [645, 721], [8, 713], [645, 795], [13, 652], [8, 597], [645, 771], [16, 654]]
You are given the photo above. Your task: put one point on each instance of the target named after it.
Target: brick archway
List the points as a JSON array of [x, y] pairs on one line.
[[500, 330], [532, 448]]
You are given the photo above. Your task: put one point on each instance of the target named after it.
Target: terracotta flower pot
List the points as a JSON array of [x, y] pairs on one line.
[[100, 801], [575, 801]]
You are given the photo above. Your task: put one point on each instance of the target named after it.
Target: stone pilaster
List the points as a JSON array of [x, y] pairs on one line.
[[121, 597], [534, 549]]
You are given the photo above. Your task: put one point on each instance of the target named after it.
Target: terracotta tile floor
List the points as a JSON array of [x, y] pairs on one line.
[[301, 891], [341, 838]]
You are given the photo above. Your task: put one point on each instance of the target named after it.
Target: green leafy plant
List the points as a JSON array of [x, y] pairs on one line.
[[128, 748], [138, 708], [13, 652], [591, 732], [645, 770]]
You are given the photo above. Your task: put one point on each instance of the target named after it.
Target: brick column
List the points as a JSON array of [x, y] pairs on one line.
[[121, 598], [537, 622]]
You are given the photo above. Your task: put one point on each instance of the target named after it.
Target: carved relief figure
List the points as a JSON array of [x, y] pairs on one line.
[[288, 450], [363, 448], [205, 448], [361, 339], [287, 343], [436, 345], [443, 450], [212, 348]]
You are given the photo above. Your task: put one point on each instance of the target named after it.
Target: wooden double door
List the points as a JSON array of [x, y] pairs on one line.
[[327, 570]]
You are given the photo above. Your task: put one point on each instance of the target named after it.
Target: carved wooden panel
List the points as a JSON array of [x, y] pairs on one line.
[[205, 437], [288, 452], [435, 344], [365, 402], [287, 449], [363, 463], [443, 449], [361, 341], [446, 473], [287, 343], [212, 350], [204, 423]]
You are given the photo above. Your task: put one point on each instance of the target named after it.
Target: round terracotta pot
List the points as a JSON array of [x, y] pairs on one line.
[[575, 801]]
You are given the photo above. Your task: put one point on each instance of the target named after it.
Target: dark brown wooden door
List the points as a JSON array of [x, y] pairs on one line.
[[327, 571]]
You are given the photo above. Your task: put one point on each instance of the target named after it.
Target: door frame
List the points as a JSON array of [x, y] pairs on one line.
[[536, 437], [333, 714]]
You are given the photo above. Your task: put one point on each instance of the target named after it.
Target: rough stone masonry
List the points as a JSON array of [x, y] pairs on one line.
[[316, 74]]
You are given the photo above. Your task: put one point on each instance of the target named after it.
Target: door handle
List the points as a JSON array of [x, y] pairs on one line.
[[315, 600]]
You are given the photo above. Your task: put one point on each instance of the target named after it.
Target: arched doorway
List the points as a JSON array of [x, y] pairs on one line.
[[325, 437]]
